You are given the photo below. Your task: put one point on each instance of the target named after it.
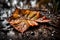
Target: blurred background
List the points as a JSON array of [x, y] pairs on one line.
[[49, 8]]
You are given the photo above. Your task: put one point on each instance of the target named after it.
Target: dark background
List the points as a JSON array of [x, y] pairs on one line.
[[55, 13]]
